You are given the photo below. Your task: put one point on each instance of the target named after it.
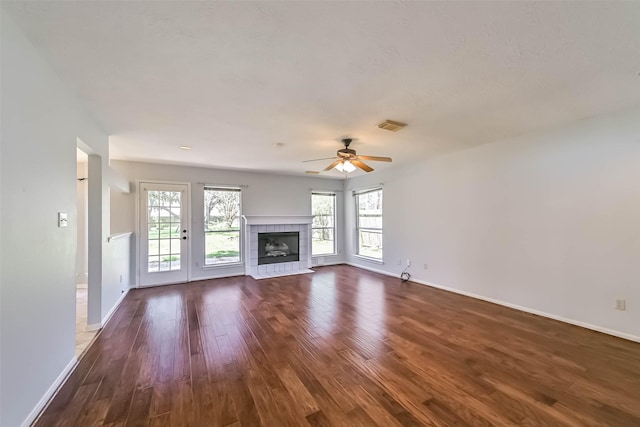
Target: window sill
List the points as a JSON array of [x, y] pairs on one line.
[[369, 259], [226, 265]]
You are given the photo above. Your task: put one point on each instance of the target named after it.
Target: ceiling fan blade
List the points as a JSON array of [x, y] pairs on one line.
[[315, 160], [375, 158], [333, 165], [361, 165]]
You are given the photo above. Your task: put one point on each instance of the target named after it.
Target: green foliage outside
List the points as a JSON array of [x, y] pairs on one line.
[[222, 247]]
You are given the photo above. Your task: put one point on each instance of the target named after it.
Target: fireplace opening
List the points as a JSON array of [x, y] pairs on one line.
[[279, 247]]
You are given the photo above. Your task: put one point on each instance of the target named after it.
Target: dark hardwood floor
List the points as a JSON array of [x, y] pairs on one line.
[[342, 347]]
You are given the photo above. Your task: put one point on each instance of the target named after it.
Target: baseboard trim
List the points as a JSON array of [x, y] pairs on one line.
[[375, 270], [113, 309], [327, 264], [94, 327], [596, 328], [217, 276], [50, 393]]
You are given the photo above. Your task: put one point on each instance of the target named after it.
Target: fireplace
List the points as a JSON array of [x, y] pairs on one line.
[[265, 240], [274, 248]]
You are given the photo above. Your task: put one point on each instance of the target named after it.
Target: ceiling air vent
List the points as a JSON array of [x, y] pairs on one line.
[[391, 125]]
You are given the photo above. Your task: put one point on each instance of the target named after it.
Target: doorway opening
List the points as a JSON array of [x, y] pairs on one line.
[[83, 335]]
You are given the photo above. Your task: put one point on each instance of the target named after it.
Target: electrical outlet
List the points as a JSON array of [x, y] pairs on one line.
[[399, 262], [621, 304], [426, 266], [408, 263], [121, 278]]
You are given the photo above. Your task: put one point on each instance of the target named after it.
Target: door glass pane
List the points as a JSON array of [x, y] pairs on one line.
[[164, 228], [154, 231], [153, 263], [165, 198], [175, 214], [165, 248], [175, 246], [154, 246]]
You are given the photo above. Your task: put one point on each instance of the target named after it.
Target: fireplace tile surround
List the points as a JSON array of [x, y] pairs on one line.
[[255, 224]]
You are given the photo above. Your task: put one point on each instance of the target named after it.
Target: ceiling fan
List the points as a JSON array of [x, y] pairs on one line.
[[347, 160]]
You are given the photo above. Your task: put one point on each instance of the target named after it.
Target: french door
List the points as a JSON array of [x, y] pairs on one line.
[[164, 233]]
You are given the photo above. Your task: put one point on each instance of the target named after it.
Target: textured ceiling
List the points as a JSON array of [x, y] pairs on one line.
[[233, 79]]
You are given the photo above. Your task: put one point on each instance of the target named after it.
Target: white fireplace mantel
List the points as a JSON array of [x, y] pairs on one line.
[[277, 219]]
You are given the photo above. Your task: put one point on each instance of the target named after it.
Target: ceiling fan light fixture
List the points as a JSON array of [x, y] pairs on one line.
[[348, 166], [345, 166]]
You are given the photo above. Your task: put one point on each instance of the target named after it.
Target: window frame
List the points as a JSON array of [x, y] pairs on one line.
[[332, 228], [358, 228], [240, 261]]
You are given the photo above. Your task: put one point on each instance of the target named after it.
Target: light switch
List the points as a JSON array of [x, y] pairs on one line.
[[62, 219]]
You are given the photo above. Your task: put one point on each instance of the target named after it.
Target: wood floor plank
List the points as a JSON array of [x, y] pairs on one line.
[[342, 347]]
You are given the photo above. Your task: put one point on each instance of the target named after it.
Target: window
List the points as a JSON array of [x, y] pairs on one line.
[[369, 223], [323, 229], [221, 225]]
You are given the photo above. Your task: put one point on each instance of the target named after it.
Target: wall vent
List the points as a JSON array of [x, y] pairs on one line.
[[391, 125]]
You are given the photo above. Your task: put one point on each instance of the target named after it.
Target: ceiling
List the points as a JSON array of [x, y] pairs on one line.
[[234, 79]]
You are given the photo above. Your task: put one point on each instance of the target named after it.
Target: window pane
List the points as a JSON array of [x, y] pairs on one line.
[[370, 244], [323, 220], [222, 247], [222, 225], [323, 225], [322, 242], [369, 223]]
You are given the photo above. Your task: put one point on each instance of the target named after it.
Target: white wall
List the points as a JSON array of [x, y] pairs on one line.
[[116, 273], [264, 194], [549, 222], [41, 128]]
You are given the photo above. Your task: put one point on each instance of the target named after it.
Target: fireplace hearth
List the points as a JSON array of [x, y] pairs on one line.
[[274, 248]]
